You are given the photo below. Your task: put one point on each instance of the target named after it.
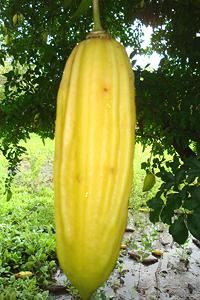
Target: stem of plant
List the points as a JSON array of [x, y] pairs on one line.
[[96, 16]]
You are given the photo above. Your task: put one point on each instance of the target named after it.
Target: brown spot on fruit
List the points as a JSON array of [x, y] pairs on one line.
[[78, 178], [112, 170]]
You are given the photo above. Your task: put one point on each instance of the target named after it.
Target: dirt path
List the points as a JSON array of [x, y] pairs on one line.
[[174, 275]]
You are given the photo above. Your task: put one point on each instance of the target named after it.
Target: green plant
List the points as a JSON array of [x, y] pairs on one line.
[[177, 202], [145, 246], [28, 243]]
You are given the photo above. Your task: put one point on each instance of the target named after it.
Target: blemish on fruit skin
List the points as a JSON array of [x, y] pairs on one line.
[[78, 178], [112, 170], [105, 89]]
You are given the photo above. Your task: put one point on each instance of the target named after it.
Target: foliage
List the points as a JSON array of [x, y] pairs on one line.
[[168, 106], [169, 121], [27, 226], [177, 202], [37, 37], [28, 245]]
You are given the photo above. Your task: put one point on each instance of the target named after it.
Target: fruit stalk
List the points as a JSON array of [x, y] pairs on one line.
[[96, 16]]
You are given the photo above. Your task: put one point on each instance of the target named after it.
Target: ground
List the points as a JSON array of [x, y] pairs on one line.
[[173, 275]]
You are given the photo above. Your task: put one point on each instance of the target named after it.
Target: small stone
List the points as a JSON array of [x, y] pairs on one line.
[[190, 288]]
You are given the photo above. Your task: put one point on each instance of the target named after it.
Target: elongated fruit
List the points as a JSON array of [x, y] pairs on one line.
[[149, 182], [93, 160]]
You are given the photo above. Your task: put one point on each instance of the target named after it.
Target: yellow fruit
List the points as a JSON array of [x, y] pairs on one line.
[[20, 17], [15, 19], [4, 28], [23, 274], [7, 39], [149, 182], [94, 145]]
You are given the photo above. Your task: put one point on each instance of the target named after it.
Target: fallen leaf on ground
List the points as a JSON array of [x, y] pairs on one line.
[[123, 246], [157, 252], [149, 261], [134, 255]]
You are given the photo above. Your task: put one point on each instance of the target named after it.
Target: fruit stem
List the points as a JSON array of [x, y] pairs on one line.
[[96, 16]]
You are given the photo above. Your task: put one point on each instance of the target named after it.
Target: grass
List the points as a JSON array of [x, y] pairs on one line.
[[27, 231], [27, 225]]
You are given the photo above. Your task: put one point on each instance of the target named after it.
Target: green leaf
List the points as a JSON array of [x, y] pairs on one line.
[[180, 176], [179, 230], [67, 3], [167, 186], [195, 192], [166, 215], [1, 61], [9, 195], [193, 223], [193, 202], [174, 201], [155, 203], [184, 193], [193, 162], [132, 55], [167, 177], [194, 173], [83, 7], [191, 177], [144, 165], [154, 215]]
